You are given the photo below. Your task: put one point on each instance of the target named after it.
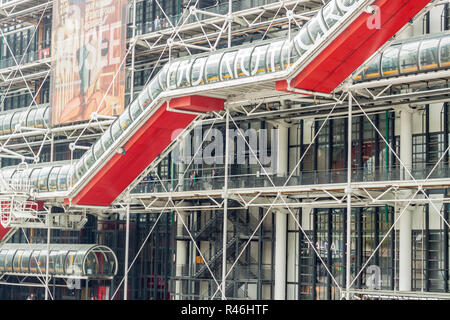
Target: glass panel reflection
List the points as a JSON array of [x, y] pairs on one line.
[[408, 57], [389, 61]]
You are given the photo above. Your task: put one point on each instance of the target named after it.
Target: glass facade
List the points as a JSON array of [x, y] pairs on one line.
[[324, 162]]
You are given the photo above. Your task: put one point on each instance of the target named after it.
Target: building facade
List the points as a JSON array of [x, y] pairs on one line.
[[284, 225]]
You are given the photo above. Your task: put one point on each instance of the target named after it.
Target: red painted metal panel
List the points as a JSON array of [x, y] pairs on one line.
[[3, 232], [141, 149], [197, 104], [354, 46]]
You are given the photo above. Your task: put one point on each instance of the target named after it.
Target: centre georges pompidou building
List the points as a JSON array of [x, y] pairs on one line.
[[254, 149]]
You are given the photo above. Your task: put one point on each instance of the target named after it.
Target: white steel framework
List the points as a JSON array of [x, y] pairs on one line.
[[206, 30]]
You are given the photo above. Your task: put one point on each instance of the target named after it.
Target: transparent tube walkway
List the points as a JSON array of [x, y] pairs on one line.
[[74, 260]]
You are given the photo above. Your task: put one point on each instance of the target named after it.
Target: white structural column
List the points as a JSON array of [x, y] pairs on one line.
[[348, 259], [181, 255], [282, 147], [280, 254], [225, 205], [405, 222], [281, 216], [127, 248], [47, 262], [406, 140]]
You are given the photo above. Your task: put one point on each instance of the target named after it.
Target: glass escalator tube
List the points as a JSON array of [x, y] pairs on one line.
[[444, 52], [3, 253], [242, 62], [23, 117], [273, 58], [68, 264], [15, 178], [60, 261], [53, 179], [43, 179], [98, 149], [34, 178], [198, 71], [42, 261], [25, 177], [107, 139], [390, 61], [25, 263], [15, 120], [429, 54], [7, 174], [71, 179], [63, 175], [7, 123], [31, 116], [78, 263], [409, 53], [288, 54], [258, 65], [162, 77], [73, 176], [212, 68], [247, 61], [331, 13], [90, 159], [1, 124], [9, 260], [303, 41], [154, 88], [17, 261], [52, 261], [138, 106], [80, 168], [184, 73], [135, 110], [373, 69], [226, 68], [318, 27], [125, 119], [40, 122], [347, 5], [172, 75], [116, 129], [47, 113]]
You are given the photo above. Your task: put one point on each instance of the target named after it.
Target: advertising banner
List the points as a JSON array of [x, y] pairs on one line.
[[88, 46]]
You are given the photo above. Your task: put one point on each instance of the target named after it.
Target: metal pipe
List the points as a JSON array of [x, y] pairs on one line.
[[133, 52], [48, 255], [349, 197], [225, 205], [127, 244]]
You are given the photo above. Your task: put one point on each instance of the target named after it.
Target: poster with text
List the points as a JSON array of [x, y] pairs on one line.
[[88, 47]]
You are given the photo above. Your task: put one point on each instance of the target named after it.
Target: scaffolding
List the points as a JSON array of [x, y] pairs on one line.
[[230, 264]]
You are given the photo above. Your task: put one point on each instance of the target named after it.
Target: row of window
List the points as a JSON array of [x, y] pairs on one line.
[[24, 46], [12, 102], [150, 18]]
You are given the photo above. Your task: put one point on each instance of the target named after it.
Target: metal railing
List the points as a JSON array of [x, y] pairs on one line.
[[419, 172]]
